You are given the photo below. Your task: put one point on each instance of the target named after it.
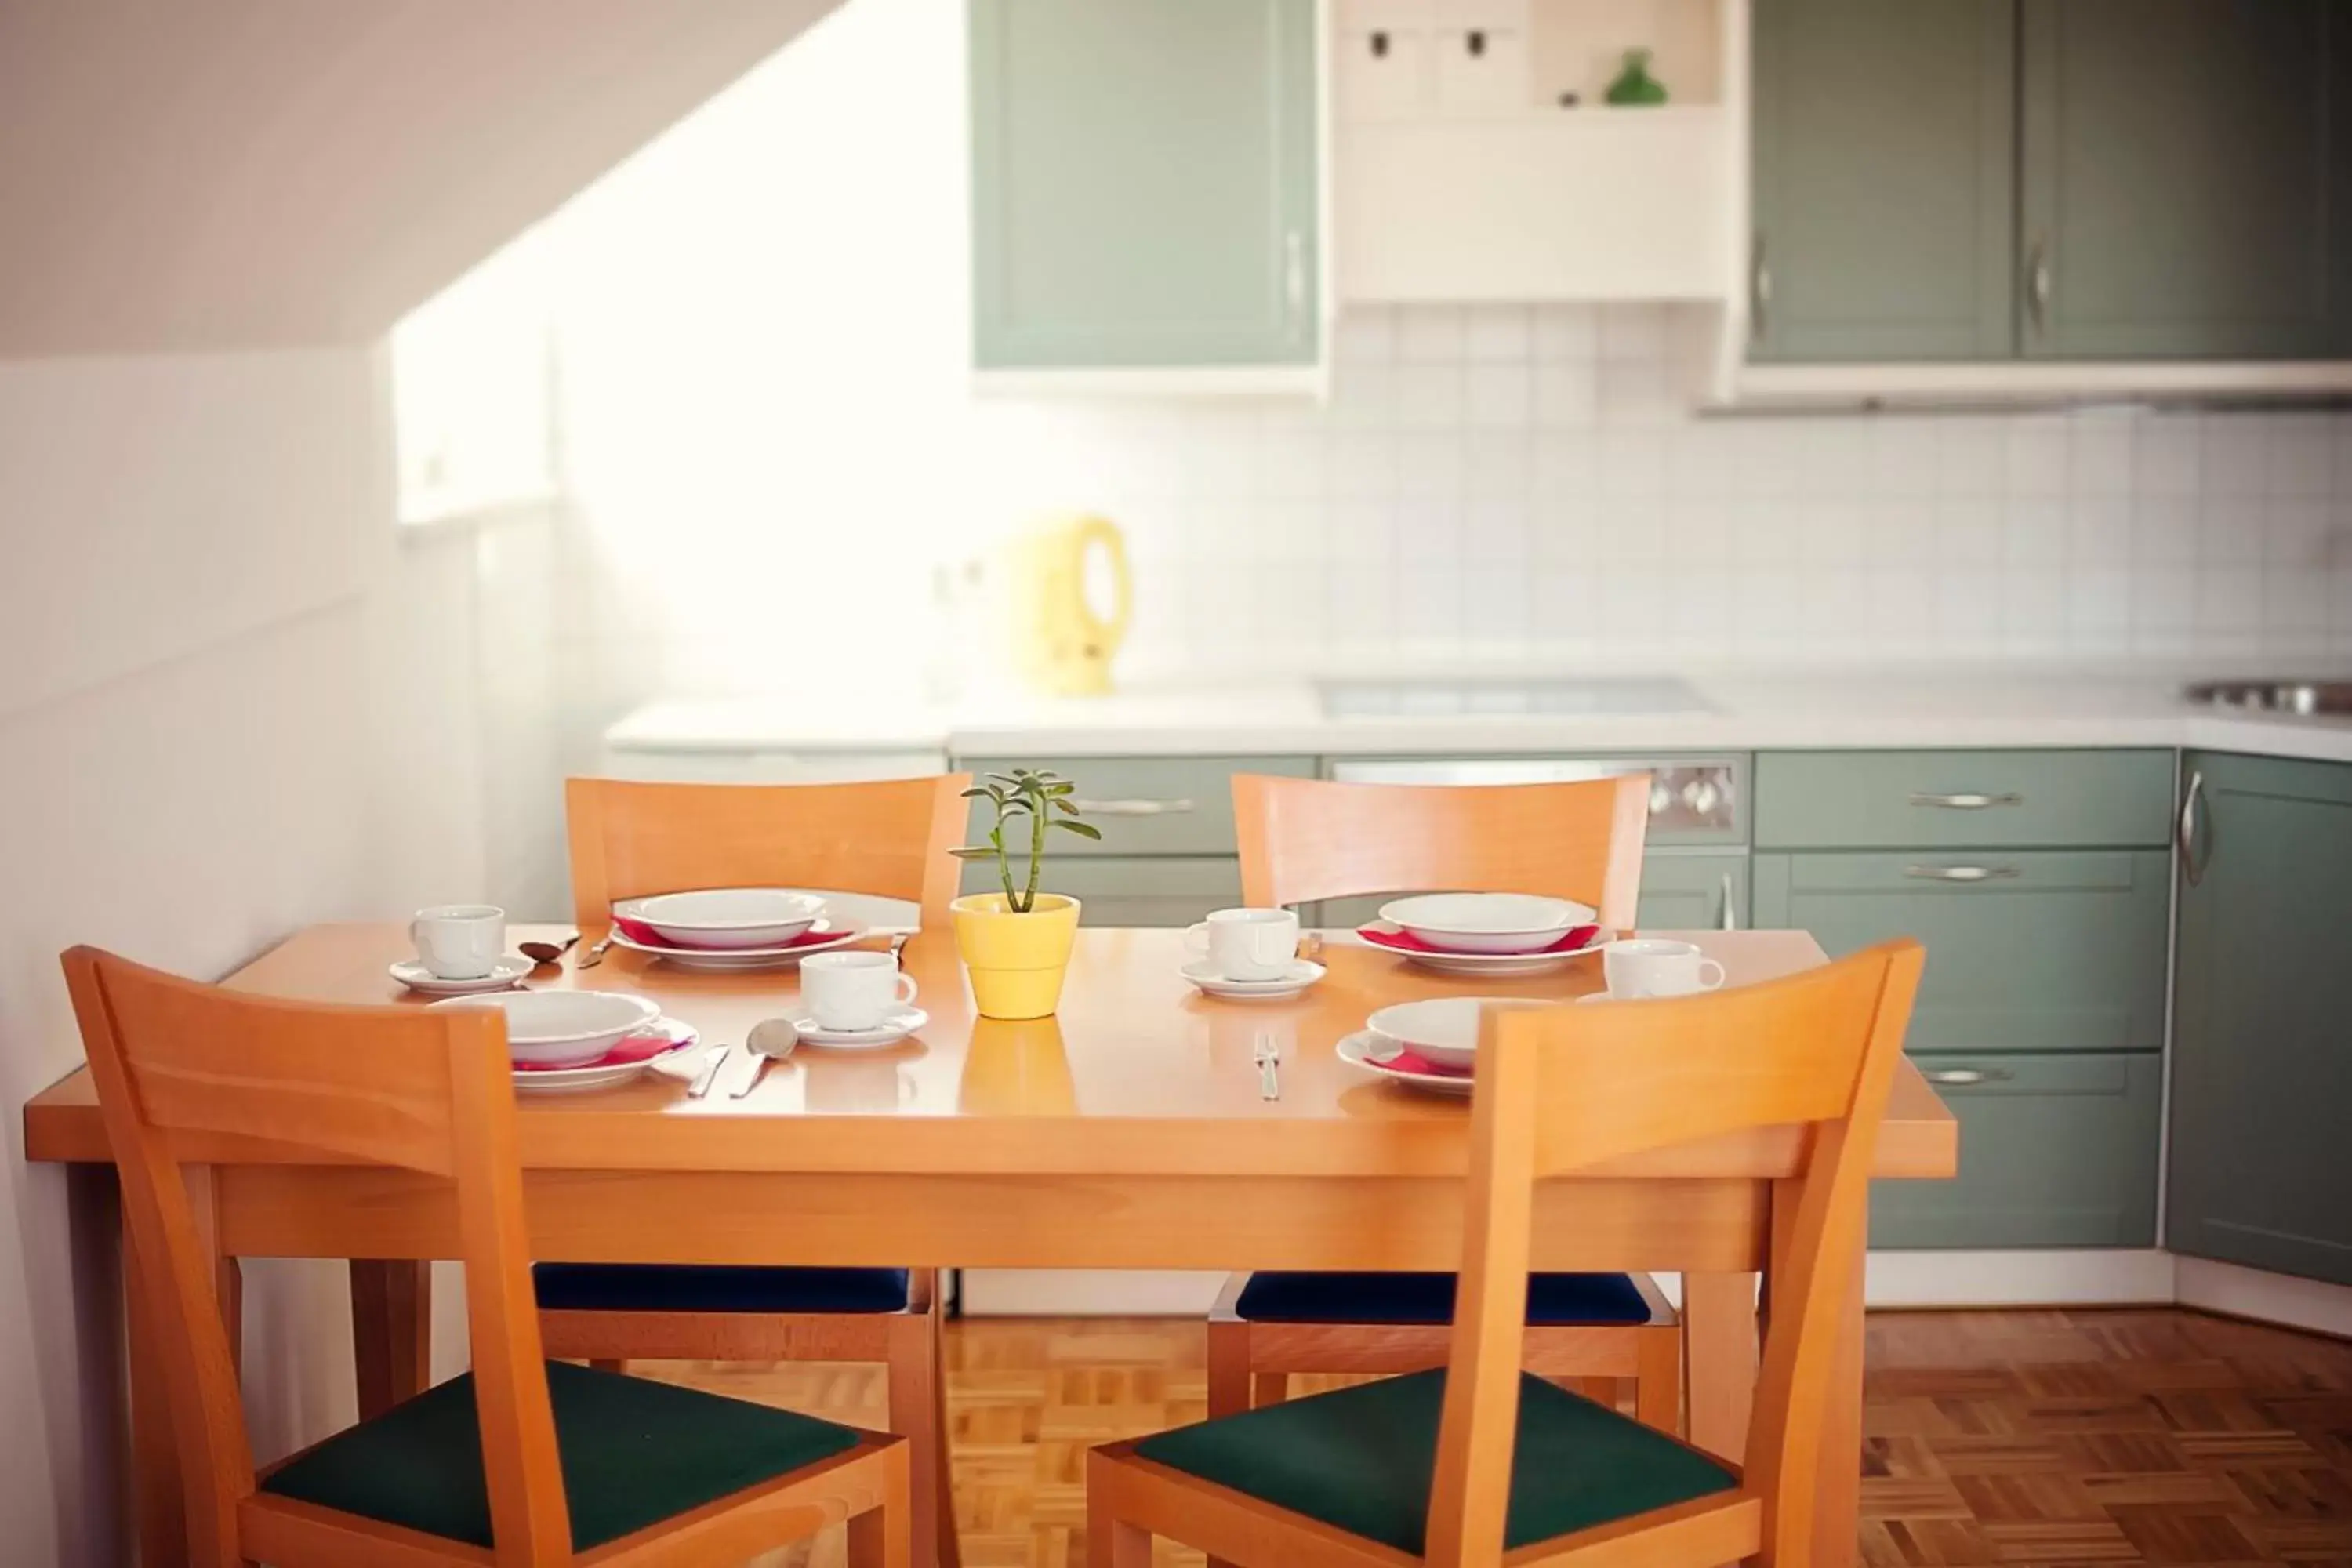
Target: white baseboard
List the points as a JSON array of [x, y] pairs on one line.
[[2023, 1277], [2269, 1298]]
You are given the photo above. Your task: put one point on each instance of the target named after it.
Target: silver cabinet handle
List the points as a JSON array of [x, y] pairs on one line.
[[1967, 800], [2190, 868], [1294, 274], [1132, 808], [1961, 1077], [1759, 291], [1959, 873], [2037, 286], [1730, 909]]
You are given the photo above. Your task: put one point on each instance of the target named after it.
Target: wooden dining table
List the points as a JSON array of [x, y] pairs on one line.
[[1131, 1129]]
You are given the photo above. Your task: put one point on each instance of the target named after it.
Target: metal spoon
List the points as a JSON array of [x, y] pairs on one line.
[[773, 1038], [547, 952]]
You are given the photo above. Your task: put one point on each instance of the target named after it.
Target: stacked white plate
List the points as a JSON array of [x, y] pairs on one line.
[[1489, 934], [733, 928], [564, 1028]]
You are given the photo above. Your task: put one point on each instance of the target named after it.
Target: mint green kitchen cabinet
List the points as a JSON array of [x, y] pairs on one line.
[[2184, 171], [2055, 1150], [1962, 799], [2260, 1166], [1885, 163], [2027, 951], [1144, 184]]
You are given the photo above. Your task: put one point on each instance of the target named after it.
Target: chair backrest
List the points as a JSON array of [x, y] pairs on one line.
[[427, 1088], [1310, 839], [889, 838], [1560, 1088]]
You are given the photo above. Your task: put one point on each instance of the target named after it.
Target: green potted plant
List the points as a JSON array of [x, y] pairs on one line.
[[1017, 942]]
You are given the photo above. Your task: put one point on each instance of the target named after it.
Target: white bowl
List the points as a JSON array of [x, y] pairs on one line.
[[564, 1028], [1442, 1029], [725, 918], [1487, 922]]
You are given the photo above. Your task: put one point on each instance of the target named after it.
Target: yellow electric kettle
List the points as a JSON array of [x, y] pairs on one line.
[[1060, 645]]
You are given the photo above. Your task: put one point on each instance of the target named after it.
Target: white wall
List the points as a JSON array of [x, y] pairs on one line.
[[200, 595]]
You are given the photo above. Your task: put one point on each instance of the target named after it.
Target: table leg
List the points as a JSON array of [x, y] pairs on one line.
[[1719, 1347], [392, 1330]]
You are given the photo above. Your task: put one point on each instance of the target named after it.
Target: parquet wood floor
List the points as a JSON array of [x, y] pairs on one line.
[[2051, 1439]]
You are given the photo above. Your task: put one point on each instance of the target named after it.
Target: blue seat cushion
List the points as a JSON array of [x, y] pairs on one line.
[[715, 1288], [1336, 1298], [1361, 1459], [633, 1452]]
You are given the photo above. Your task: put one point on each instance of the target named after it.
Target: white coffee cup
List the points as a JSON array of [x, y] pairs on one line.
[[1247, 944], [1657, 966], [459, 941], [854, 990]]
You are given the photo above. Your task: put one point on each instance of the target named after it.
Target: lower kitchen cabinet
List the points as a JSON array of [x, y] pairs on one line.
[[1133, 890], [2033, 951], [2261, 1173], [2055, 1150]]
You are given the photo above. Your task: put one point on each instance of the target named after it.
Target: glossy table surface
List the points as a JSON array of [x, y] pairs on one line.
[[1137, 1074]]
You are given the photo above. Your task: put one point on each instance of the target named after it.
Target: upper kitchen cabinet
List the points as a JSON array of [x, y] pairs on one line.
[[2184, 172], [2262, 1068], [1884, 146], [1145, 186]]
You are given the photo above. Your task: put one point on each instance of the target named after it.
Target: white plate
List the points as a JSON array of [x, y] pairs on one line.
[[1302, 973], [726, 919], [1367, 1050], [839, 933], [895, 1026], [508, 972], [1489, 965], [1486, 922], [598, 1075], [1443, 1029], [564, 1028]]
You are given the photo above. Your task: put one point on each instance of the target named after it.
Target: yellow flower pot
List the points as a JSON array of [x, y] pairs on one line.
[[1016, 962]]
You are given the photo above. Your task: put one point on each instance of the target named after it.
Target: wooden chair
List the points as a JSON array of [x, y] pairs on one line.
[[889, 838], [1481, 1464], [521, 1461], [1305, 840]]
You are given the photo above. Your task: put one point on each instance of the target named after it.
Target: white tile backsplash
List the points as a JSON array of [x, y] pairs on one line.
[[1505, 481]]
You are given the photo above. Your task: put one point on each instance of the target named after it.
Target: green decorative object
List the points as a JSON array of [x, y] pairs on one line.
[[1634, 86]]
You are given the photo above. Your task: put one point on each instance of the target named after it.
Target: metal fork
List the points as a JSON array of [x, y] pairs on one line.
[[1268, 1056]]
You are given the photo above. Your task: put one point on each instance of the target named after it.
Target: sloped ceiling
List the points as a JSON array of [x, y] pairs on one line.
[[223, 174]]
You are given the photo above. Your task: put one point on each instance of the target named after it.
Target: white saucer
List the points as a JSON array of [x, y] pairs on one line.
[[895, 1026], [504, 975], [837, 933], [1368, 1051], [1302, 973]]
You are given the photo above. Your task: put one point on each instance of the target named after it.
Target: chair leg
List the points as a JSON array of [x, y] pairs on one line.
[[1113, 1543], [1658, 1386], [1269, 1388], [882, 1536], [917, 1413], [1229, 1369]]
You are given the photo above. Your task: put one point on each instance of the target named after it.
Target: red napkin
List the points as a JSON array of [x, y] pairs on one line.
[[660, 1036], [1574, 940], [645, 935], [1409, 1060]]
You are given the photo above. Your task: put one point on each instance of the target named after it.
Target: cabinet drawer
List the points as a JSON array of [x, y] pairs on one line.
[[1903, 800], [1679, 892], [1129, 891], [1144, 806], [2036, 952], [2055, 1150]]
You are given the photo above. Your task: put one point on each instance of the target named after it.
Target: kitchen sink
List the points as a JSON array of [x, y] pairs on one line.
[[2305, 697], [1505, 699]]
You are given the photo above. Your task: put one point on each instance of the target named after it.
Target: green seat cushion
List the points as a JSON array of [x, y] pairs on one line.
[[1361, 1459], [635, 1452]]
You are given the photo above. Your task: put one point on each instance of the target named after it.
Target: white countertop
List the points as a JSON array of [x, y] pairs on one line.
[[1740, 713]]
